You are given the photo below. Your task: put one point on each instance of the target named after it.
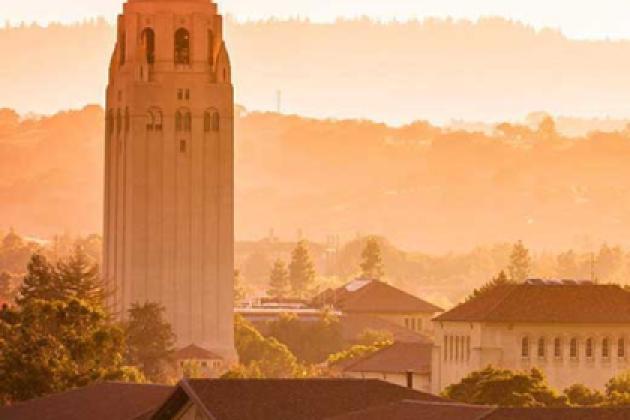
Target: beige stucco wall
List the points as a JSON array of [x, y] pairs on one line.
[[169, 234], [424, 319], [500, 345]]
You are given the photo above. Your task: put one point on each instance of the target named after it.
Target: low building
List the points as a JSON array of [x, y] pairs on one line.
[[574, 332], [199, 362], [379, 299], [404, 364]]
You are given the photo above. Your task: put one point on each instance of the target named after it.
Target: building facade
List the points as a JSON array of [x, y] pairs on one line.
[[574, 333], [169, 184]]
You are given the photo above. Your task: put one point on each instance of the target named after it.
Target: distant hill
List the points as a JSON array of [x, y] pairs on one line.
[[423, 187], [438, 70]]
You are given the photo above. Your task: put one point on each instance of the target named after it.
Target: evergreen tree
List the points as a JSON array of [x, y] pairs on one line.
[[520, 263], [372, 262], [150, 340], [81, 278], [301, 271], [500, 280], [279, 286]]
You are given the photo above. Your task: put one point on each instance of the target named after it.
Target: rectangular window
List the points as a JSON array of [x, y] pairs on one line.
[[180, 94], [621, 348], [468, 349], [573, 348], [605, 348], [557, 348], [450, 348], [457, 348], [445, 348], [187, 94], [541, 348], [182, 146]]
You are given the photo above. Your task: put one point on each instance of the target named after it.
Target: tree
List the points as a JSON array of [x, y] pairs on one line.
[[6, 286], [581, 396], [301, 270], [270, 358], [355, 352], [371, 337], [520, 263], [505, 389], [500, 280], [618, 391], [279, 280], [372, 262], [310, 342], [239, 289], [150, 340], [58, 336]]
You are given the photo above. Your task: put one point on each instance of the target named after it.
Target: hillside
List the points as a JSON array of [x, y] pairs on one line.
[[423, 187]]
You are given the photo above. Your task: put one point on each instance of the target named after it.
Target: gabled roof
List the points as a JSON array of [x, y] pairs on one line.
[[416, 410], [105, 401], [397, 358], [264, 399], [194, 352], [372, 296], [559, 303], [353, 325]]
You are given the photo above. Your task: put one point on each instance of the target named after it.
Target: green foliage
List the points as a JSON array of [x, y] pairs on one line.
[[192, 369], [268, 356], [356, 352], [520, 263], [59, 335], [311, 342], [500, 280], [505, 388], [150, 340], [371, 337], [279, 286], [618, 390], [239, 289], [582, 396], [372, 263], [301, 271]]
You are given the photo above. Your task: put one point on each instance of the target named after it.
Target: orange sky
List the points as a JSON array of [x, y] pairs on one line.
[[577, 19]]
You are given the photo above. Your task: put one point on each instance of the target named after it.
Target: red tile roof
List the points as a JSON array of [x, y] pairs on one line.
[[105, 401], [375, 297], [194, 352], [416, 410], [588, 303], [266, 399], [353, 325], [397, 358]]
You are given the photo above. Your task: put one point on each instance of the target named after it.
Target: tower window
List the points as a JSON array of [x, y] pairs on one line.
[[180, 94], [118, 121], [210, 48], [123, 48], [188, 122], [127, 120], [158, 120], [178, 121], [182, 46], [110, 122], [187, 94], [148, 40], [182, 146], [215, 121]]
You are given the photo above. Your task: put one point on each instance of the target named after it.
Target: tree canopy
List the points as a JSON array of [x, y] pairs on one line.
[[372, 267]]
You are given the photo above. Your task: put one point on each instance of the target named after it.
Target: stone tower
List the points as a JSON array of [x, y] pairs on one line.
[[169, 184]]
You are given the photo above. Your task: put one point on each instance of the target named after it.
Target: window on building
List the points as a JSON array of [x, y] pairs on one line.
[[187, 94], [148, 40], [413, 323], [182, 46], [445, 348], [525, 347], [605, 348], [180, 94], [468, 349], [158, 120], [179, 123], [557, 348], [541, 348], [206, 127], [457, 348], [621, 348], [127, 120], [110, 122], [182, 146], [118, 121], [216, 121], [210, 48], [573, 348], [419, 324], [150, 121], [188, 122], [450, 348], [123, 48], [589, 348]]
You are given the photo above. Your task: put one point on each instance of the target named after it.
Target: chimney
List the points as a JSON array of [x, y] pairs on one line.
[[409, 379]]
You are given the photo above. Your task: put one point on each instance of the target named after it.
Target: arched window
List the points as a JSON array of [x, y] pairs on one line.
[[621, 348], [182, 46], [123, 47], [210, 48], [158, 119], [148, 41], [541, 348], [525, 347], [573, 348], [557, 348], [150, 121], [179, 123], [187, 122], [110, 122], [216, 121], [605, 348], [118, 121]]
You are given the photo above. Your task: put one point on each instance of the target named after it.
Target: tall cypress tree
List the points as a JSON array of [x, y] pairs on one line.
[[372, 262], [301, 270], [279, 286]]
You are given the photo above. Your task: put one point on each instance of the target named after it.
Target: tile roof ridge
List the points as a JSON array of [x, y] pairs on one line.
[[57, 394], [512, 289], [192, 394]]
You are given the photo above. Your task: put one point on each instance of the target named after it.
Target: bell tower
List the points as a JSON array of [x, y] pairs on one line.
[[169, 183]]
